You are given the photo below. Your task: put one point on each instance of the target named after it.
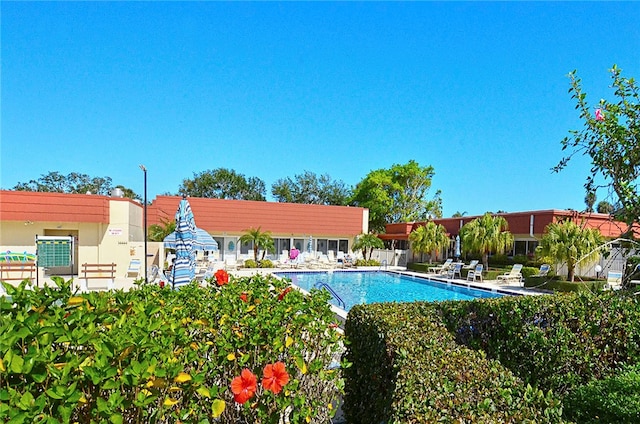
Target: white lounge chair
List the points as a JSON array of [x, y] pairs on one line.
[[475, 274], [134, 268], [455, 270], [230, 264], [544, 270], [513, 275], [443, 267], [614, 280], [471, 265]]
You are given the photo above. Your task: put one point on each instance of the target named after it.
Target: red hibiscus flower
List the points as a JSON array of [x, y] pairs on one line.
[[244, 297], [275, 377], [244, 387], [161, 284], [284, 293], [222, 277]]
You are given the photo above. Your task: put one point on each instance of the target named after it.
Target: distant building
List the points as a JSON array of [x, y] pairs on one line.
[[526, 227], [108, 229]]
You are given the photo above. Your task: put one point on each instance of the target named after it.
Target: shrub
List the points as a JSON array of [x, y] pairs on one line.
[[250, 263], [419, 267], [612, 400], [157, 356], [528, 271], [407, 368], [521, 259], [554, 342], [557, 283], [367, 262], [266, 263], [499, 260]]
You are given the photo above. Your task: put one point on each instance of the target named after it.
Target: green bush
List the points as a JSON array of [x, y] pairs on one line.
[[499, 260], [154, 355], [557, 283], [521, 259], [407, 368], [367, 262], [613, 400], [528, 271], [419, 267], [250, 263], [266, 263], [555, 342]]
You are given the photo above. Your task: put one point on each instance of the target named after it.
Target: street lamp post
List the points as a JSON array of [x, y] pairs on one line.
[[144, 170]]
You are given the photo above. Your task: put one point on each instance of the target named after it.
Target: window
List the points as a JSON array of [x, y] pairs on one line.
[[343, 246], [246, 247], [321, 245]]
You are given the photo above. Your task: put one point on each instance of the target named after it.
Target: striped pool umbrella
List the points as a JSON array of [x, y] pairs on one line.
[[203, 241], [184, 265]]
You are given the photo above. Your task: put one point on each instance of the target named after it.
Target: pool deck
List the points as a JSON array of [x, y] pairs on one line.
[[125, 283]]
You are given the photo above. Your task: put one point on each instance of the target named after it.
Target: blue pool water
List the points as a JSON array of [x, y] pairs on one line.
[[356, 287]]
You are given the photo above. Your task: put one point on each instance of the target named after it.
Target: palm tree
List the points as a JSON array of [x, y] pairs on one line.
[[568, 242], [368, 241], [428, 238], [486, 234], [259, 239], [157, 232]]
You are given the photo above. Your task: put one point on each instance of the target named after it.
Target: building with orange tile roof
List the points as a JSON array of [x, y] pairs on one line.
[[110, 229], [527, 227]]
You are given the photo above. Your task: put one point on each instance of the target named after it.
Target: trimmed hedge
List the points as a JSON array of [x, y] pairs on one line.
[[612, 400], [553, 342], [512, 359], [559, 284], [407, 368]]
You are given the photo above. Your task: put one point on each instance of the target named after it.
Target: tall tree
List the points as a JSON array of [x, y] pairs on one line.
[[428, 238], [259, 239], [398, 194], [310, 188], [568, 242], [74, 182], [366, 243], [223, 183], [610, 137], [487, 234], [589, 201], [604, 207]]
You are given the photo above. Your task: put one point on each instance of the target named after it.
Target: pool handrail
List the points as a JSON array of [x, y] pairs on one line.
[[323, 285], [383, 263]]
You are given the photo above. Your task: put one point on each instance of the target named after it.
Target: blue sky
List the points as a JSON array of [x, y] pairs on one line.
[[478, 90]]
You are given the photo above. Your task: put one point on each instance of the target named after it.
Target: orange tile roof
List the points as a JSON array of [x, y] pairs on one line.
[[53, 207], [236, 216]]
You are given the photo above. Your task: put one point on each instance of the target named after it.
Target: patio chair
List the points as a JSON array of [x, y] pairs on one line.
[[544, 270], [471, 265], [455, 270], [476, 274], [444, 266], [512, 276], [134, 268], [230, 264], [614, 280]]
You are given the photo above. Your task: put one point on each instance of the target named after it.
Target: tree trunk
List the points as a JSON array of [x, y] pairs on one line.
[[485, 260]]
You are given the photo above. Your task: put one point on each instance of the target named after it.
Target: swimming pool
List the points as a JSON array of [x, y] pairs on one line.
[[356, 287]]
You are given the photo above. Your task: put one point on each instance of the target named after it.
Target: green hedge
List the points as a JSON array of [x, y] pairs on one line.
[[407, 368], [154, 355], [554, 342], [612, 400], [489, 360], [559, 284]]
